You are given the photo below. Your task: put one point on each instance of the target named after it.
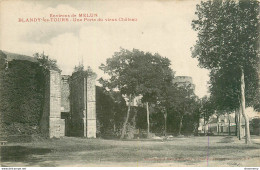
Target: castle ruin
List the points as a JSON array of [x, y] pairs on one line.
[[69, 106]]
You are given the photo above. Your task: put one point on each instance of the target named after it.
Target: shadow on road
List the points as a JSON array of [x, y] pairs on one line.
[[22, 154]]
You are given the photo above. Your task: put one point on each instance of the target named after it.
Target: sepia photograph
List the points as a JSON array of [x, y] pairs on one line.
[[151, 83]]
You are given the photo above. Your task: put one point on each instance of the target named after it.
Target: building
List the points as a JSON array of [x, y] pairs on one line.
[[51, 124], [67, 103], [184, 81], [82, 104], [70, 105], [226, 124], [221, 125]]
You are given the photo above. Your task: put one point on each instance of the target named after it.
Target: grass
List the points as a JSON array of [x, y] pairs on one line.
[[187, 151]]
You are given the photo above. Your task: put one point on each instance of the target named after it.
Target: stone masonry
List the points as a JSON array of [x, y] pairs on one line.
[[91, 107], [77, 105], [69, 105], [83, 105], [65, 92], [51, 123]]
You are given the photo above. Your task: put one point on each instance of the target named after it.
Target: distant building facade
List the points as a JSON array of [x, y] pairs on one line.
[[184, 81], [220, 125], [226, 124]]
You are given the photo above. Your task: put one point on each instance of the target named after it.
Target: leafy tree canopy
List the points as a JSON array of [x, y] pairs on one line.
[[46, 62], [228, 43], [137, 73]]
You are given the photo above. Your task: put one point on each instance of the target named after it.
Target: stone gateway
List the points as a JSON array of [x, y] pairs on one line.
[[69, 105]]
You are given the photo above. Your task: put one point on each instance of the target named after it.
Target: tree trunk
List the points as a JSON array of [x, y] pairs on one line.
[[180, 125], [229, 126], [134, 119], [148, 122], [196, 126], [236, 121], [239, 123], [218, 124], [204, 124], [127, 117], [165, 124], [243, 107], [114, 125], [218, 129]]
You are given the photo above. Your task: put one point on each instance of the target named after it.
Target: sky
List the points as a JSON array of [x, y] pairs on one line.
[[162, 27]]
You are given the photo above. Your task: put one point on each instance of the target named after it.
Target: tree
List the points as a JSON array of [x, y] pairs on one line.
[[185, 103], [228, 45], [86, 72], [165, 103], [227, 100], [179, 105], [207, 109], [136, 73], [46, 62], [154, 77], [21, 97], [110, 105]]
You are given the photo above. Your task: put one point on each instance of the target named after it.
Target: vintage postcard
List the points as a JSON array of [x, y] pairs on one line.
[[129, 83]]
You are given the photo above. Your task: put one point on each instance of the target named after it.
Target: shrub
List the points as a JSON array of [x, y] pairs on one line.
[[21, 95]]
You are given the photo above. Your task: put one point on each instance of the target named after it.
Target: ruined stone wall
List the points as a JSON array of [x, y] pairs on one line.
[[44, 122], [65, 93], [83, 105], [91, 107], [77, 105], [57, 125], [183, 81], [51, 123]]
